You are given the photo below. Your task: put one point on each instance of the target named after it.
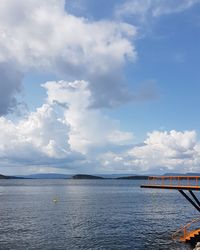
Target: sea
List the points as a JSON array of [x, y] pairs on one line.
[[90, 214]]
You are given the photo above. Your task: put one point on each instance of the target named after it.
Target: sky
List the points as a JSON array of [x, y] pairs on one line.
[[99, 87]]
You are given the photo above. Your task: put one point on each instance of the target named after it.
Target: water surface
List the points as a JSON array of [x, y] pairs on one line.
[[89, 214]]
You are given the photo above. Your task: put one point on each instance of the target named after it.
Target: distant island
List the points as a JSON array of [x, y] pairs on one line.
[[179, 174], [4, 177], [134, 177], [9, 177], [94, 177], [75, 177], [46, 176], [86, 177]]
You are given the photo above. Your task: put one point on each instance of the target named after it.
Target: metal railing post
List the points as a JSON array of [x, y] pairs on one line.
[[185, 232]]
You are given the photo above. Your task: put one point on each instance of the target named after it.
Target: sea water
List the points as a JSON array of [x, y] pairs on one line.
[[89, 214]]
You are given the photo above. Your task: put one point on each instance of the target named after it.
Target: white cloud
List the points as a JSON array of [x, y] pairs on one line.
[[161, 152], [121, 138], [41, 36], [41, 138], [174, 151], [63, 132], [89, 128], [144, 9]]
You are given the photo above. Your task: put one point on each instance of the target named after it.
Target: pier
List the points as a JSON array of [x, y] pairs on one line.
[[185, 185]]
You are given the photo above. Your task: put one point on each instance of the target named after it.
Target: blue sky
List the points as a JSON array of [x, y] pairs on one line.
[[168, 58], [120, 86]]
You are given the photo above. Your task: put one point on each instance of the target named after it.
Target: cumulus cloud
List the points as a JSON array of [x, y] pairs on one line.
[[62, 132], [41, 138], [143, 9], [89, 128], [70, 129], [42, 36], [161, 151], [65, 132]]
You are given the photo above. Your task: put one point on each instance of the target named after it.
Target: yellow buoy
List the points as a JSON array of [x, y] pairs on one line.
[[55, 200]]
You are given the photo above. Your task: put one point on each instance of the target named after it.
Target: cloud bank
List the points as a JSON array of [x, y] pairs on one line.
[[144, 9], [64, 132], [162, 151], [70, 129], [42, 36]]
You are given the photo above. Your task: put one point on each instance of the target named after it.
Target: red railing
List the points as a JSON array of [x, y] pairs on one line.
[[179, 181], [185, 231]]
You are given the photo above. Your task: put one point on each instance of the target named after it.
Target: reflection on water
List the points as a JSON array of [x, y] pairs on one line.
[[89, 214]]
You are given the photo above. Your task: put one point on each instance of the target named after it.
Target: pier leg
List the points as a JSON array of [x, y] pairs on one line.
[[194, 197], [190, 200]]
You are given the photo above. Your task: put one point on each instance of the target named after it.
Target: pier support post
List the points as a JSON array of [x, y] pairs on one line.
[[194, 197], [190, 200]]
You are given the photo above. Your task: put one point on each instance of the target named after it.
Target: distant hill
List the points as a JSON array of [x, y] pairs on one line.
[[86, 177], [113, 176], [9, 177], [133, 177], [82, 176], [181, 174], [47, 176], [192, 174], [4, 177]]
